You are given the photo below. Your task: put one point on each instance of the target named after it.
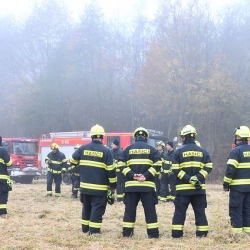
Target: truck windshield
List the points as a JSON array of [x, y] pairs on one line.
[[151, 142], [25, 148]]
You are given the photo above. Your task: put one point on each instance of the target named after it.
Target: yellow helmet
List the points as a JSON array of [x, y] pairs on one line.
[[242, 131], [141, 131], [97, 130], [197, 143], [160, 143], [54, 146], [77, 146], [188, 129]]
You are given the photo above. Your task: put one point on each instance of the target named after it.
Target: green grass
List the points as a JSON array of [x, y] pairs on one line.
[[38, 222]]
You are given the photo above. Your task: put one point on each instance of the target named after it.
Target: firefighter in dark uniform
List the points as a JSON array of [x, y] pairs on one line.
[[191, 165], [116, 151], [167, 176], [75, 176], [160, 145], [57, 165], [139, 163], [5, 181], [237, 180], [97, 176]]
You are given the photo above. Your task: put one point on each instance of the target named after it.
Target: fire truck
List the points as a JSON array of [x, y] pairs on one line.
[[24, 155], [67, 140]]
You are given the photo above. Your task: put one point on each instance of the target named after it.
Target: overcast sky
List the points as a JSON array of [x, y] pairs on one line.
[[111, 8]]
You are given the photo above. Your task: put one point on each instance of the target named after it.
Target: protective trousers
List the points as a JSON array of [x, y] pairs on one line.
[[158, 185], [57, 179], [199, 204], [165, 191], [120, 186], [149, 200], [239, 211], [92, 211], [75, 185], [171, 182], [4, 191]]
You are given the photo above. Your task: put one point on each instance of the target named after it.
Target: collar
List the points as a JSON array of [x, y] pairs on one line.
[[96, 141], [189, 140], [241, 143]]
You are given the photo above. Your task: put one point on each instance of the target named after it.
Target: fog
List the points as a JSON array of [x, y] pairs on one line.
[[62, 70]]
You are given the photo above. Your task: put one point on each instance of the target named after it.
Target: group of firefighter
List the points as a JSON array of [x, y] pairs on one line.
[[144, 173]]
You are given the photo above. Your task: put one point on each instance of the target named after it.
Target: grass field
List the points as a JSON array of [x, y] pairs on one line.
[[38, 222]]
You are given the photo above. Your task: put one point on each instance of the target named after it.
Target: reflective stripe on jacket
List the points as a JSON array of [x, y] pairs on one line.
[[140, 158], [97, 171], [237, 175], [191, 160]]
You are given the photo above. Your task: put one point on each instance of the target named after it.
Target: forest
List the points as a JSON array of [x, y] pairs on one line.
[[186, 65]]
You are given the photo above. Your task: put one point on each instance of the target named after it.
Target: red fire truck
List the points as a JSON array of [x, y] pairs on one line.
[[67, 140], [24, 155]]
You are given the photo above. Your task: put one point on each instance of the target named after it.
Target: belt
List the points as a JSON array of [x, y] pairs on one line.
[[54, 171]]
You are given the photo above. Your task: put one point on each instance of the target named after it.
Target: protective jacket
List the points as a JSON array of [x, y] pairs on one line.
[[57, 162], [140, 158], [115, 153], [97, 171], [237, 174], [190, 160], [74, 170], [5, 162], [167, 161]]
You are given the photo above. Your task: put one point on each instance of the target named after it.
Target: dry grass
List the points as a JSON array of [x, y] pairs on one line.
[[37, 222]]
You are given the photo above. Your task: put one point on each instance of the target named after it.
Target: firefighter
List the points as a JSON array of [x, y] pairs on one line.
[[139, 163], [5, 182], [97, 177], [167, 177], [191, 165], [75, 176], [160, 145], [116, 151], [237, 180], [57, 165]]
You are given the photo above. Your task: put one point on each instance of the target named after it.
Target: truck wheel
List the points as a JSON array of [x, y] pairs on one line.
[[66, 179]]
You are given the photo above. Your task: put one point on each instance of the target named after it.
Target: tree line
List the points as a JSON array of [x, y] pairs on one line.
[[187, 65]]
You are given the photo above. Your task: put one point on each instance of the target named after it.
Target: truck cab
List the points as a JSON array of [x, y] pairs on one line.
[[24, 155]]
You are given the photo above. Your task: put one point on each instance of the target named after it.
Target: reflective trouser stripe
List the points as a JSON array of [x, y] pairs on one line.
[[162, 198], [3, 206], [95, 224], [236, 229], [85, 222], [58, 194], [152, 225], [49, 192], [177, 227], [202, 228], [128, 224], [246, 229]]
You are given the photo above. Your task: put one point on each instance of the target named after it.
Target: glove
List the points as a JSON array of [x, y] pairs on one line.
[[159, 176], [110, 197], [10, 184], [49, 162], [195, 182], [170, 172]]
